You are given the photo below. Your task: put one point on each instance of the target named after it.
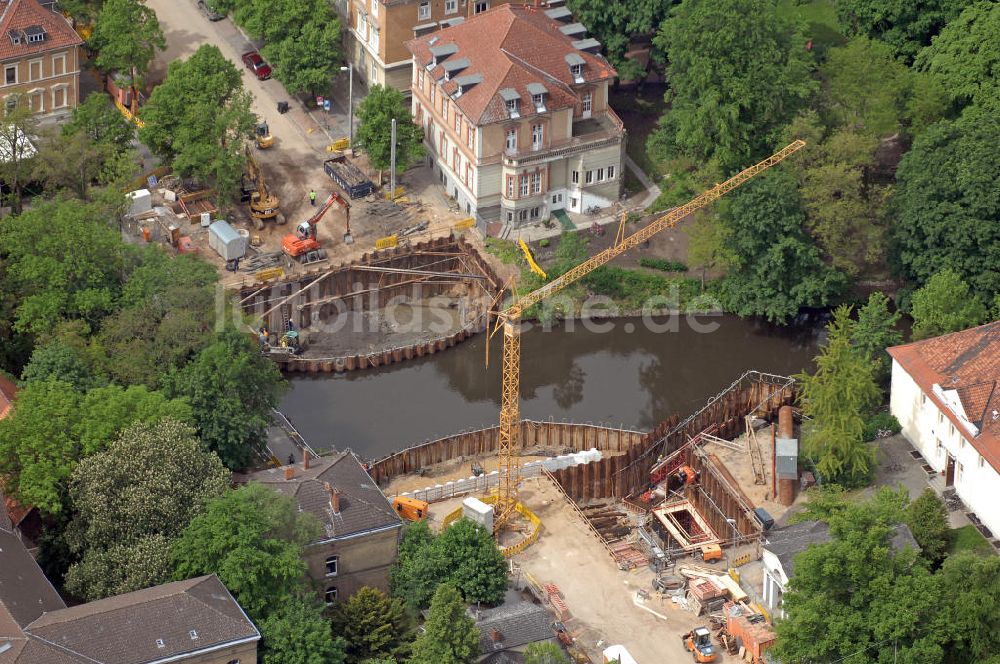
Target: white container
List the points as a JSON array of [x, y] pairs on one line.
[[226, 242], [478, 511], [617, 654], [169, 195], [140, 201]]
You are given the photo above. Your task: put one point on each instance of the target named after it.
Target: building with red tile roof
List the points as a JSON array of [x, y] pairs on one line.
[[946, 396], [40, 56], [514, 107]]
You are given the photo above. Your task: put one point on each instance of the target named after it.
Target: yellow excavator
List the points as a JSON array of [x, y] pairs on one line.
[[263, 204]]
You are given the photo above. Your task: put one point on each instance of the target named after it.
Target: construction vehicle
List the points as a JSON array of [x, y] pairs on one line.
[[682, 477], [699, 642], [263, 204], [262, 134], [410, 509], [711, 552], [303, 244], [510, 318]]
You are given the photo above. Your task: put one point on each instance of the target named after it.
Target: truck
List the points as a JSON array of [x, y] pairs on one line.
[[348, 176]]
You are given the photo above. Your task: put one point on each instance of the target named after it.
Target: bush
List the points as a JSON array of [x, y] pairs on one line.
[[663, 265], [880, 421], [544, 242]]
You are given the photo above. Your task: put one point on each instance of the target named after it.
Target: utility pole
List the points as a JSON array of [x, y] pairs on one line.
[[350, 103], [392, 164]]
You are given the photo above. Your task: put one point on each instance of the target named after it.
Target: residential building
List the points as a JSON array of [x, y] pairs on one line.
[[40, 56], [190, 622], [782, 545], [361, 531], [946, 396], [506, 630], [514, 107], [23, 520], [378, 30]]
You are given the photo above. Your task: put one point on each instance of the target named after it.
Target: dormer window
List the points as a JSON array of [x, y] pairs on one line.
[[577, 71], [576, 63], [513, 108], [15, 37], [512, 101], [538, 94], [35, 34]]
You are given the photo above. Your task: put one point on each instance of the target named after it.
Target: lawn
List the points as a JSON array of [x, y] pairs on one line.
[[967, 538], [820, 19]]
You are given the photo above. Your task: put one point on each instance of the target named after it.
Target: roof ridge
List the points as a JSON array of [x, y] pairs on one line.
[[79, 608], [206, 578]]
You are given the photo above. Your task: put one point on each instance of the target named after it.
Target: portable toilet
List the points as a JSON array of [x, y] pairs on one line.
[[226, 241], [478, 511]]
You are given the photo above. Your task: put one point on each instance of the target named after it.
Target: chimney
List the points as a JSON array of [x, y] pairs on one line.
[[334, 497], [289, 472], [305, 459]]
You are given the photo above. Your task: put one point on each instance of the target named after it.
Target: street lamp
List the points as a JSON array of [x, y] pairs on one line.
[[350, 104], [732, 522]]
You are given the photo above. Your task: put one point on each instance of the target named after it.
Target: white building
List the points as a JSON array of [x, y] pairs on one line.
[[946, 396]]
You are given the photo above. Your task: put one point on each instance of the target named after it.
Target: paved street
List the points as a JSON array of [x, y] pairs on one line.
[[294, 165]]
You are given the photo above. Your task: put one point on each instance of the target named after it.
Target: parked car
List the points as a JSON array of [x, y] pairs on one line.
[[256, 64], [209, 13]]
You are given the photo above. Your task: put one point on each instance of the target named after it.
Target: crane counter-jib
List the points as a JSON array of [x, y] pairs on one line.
[[668, 220]]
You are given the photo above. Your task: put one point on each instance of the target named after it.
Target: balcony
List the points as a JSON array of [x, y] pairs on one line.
[[588, 134]]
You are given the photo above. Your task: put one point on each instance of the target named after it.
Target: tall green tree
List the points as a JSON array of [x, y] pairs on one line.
[[945, 304], [149, 483], [373, 624], [946, 206], [774, 268], [927, 519], [706, 244], [419, 567], [727, 106], [18, 129], [232, 390], [252, 537], [53, 427], [905, 25], [374, 134], [97, 118], [126, 37], [476, 566], [865, 87], [613, 22], [75, 164], [837, 397], [71, 271], [875, 331], [297, 633], [450, 635], [307, 54], [57, 360], [198, 120], [966, 55]]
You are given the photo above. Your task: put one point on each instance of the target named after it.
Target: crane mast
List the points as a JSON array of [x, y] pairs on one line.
[[510, 406]]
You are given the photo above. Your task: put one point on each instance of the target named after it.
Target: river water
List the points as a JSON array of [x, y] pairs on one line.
[[630, 375]]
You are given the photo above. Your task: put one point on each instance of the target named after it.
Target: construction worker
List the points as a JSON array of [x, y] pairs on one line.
[[312, 197]]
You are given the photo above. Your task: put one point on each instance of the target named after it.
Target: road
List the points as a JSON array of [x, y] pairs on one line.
[[294, 164]]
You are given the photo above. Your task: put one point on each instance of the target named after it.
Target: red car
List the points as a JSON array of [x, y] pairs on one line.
[[256, 64]]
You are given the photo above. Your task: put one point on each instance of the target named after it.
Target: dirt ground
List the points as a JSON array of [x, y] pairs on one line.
[[601, 598]]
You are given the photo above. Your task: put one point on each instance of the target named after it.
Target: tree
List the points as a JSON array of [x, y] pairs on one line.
[[774, 269], [18, 136], [58, 361], [944, 305], [844, 209], [946, 208], [865, 87], [148, 484], [544, 652], [375, 115], [726, 107], [706, 244], [927, 518], [614, 22], [875, 331], [126, 37], [309, 57], [419, 567], [232, 390], [71, 270], [837, 397], [252, 537], [373, 625], [53, 427], [198, 120], [476, 566], [450, 635], [966, 54], [97, 118], [297, 633], [74, 163], [905, 25]]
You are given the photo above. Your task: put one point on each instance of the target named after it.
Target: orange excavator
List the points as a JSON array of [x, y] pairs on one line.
[[303, 245]]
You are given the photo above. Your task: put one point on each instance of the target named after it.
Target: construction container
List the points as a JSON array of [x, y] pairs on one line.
[[751, 630], [226, 242], [478, 511], [410, 508], [766, 520], [617, 655], [347, 175], [786, 469], [140, 201]]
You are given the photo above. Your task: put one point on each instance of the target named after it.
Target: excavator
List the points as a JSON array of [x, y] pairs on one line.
[[303, 244], [263, 204]]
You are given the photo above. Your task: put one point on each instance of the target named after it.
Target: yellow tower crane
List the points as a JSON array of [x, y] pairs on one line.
[[510, 408]]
